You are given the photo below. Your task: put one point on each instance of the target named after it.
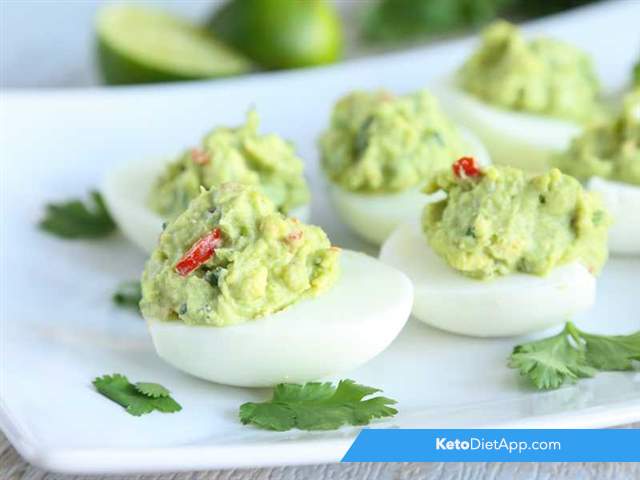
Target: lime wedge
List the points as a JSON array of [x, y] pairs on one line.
[[140, 45]]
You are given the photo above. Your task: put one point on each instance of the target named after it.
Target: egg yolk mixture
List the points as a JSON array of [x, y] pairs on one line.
[[497, 220], [233, 154], [379, 143], [608, 149], [232, 257], [541, 76]]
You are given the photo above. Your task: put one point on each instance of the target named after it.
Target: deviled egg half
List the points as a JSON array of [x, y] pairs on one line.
[[607, 157], [525, 99], [380, 150], [143, 195], [237, 293], [503, 254]]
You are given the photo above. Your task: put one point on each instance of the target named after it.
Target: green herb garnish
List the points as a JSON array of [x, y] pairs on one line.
[[317, 406], [574, 354], [137, 399], [400, 20], [128, 294], [392, 21], [153, 390], [75, 219], [636, 74]]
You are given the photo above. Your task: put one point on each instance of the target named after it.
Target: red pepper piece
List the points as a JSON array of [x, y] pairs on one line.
[[200, 156], [466, 167], [199, 253]]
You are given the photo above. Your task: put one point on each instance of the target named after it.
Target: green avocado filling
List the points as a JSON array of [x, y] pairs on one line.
[[501, 222], [238, 155], [380, 143], [541, 76], [262, 262], [608, 149]]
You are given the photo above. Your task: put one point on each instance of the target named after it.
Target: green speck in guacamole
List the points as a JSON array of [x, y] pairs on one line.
[[233, 154], [608, 149], [502, 222], [541, 76], [263, 263], [381, 143]]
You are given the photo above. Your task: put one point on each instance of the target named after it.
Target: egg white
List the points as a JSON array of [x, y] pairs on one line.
[[374, 216], [126, 191], [524, 140], [622, 200], [331, 334], [515, 304]]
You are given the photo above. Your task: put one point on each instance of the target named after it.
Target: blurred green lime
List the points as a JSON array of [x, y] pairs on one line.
[[281, 33], [140, 45]]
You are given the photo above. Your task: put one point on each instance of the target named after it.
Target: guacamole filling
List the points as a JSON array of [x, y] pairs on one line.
[[380, 143], [232, 154], [496, 221], [541, 76], [608, 149], [231, 257]]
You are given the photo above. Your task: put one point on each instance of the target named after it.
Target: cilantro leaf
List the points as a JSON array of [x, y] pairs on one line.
[[317, 406], [153, 390], [128, 294], [550, 362], [117, 388], [74, 219], [573, 354], [614, 352]]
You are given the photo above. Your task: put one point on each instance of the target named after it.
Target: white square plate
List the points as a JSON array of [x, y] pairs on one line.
[[60, 328]]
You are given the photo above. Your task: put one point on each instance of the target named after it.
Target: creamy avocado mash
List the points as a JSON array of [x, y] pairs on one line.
[[541, 76], [499, 221], [608, 149], [232, 257], [377, 142], [233, 154]]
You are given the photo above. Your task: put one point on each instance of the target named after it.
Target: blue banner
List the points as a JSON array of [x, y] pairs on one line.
[[492, 445]]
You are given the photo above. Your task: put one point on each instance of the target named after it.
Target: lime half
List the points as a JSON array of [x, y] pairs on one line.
[[140, 45]]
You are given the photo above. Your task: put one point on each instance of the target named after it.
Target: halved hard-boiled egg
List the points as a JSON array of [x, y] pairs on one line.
[[126, 190], [520, 139], [606, 156], [236, 293], [379, 151], [334, 333], [525, 99], [515, 304], [373, 216], [143, 194], [503, 254]]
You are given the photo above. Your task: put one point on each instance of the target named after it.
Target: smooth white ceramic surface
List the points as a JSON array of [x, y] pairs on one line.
[[59, 328]]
